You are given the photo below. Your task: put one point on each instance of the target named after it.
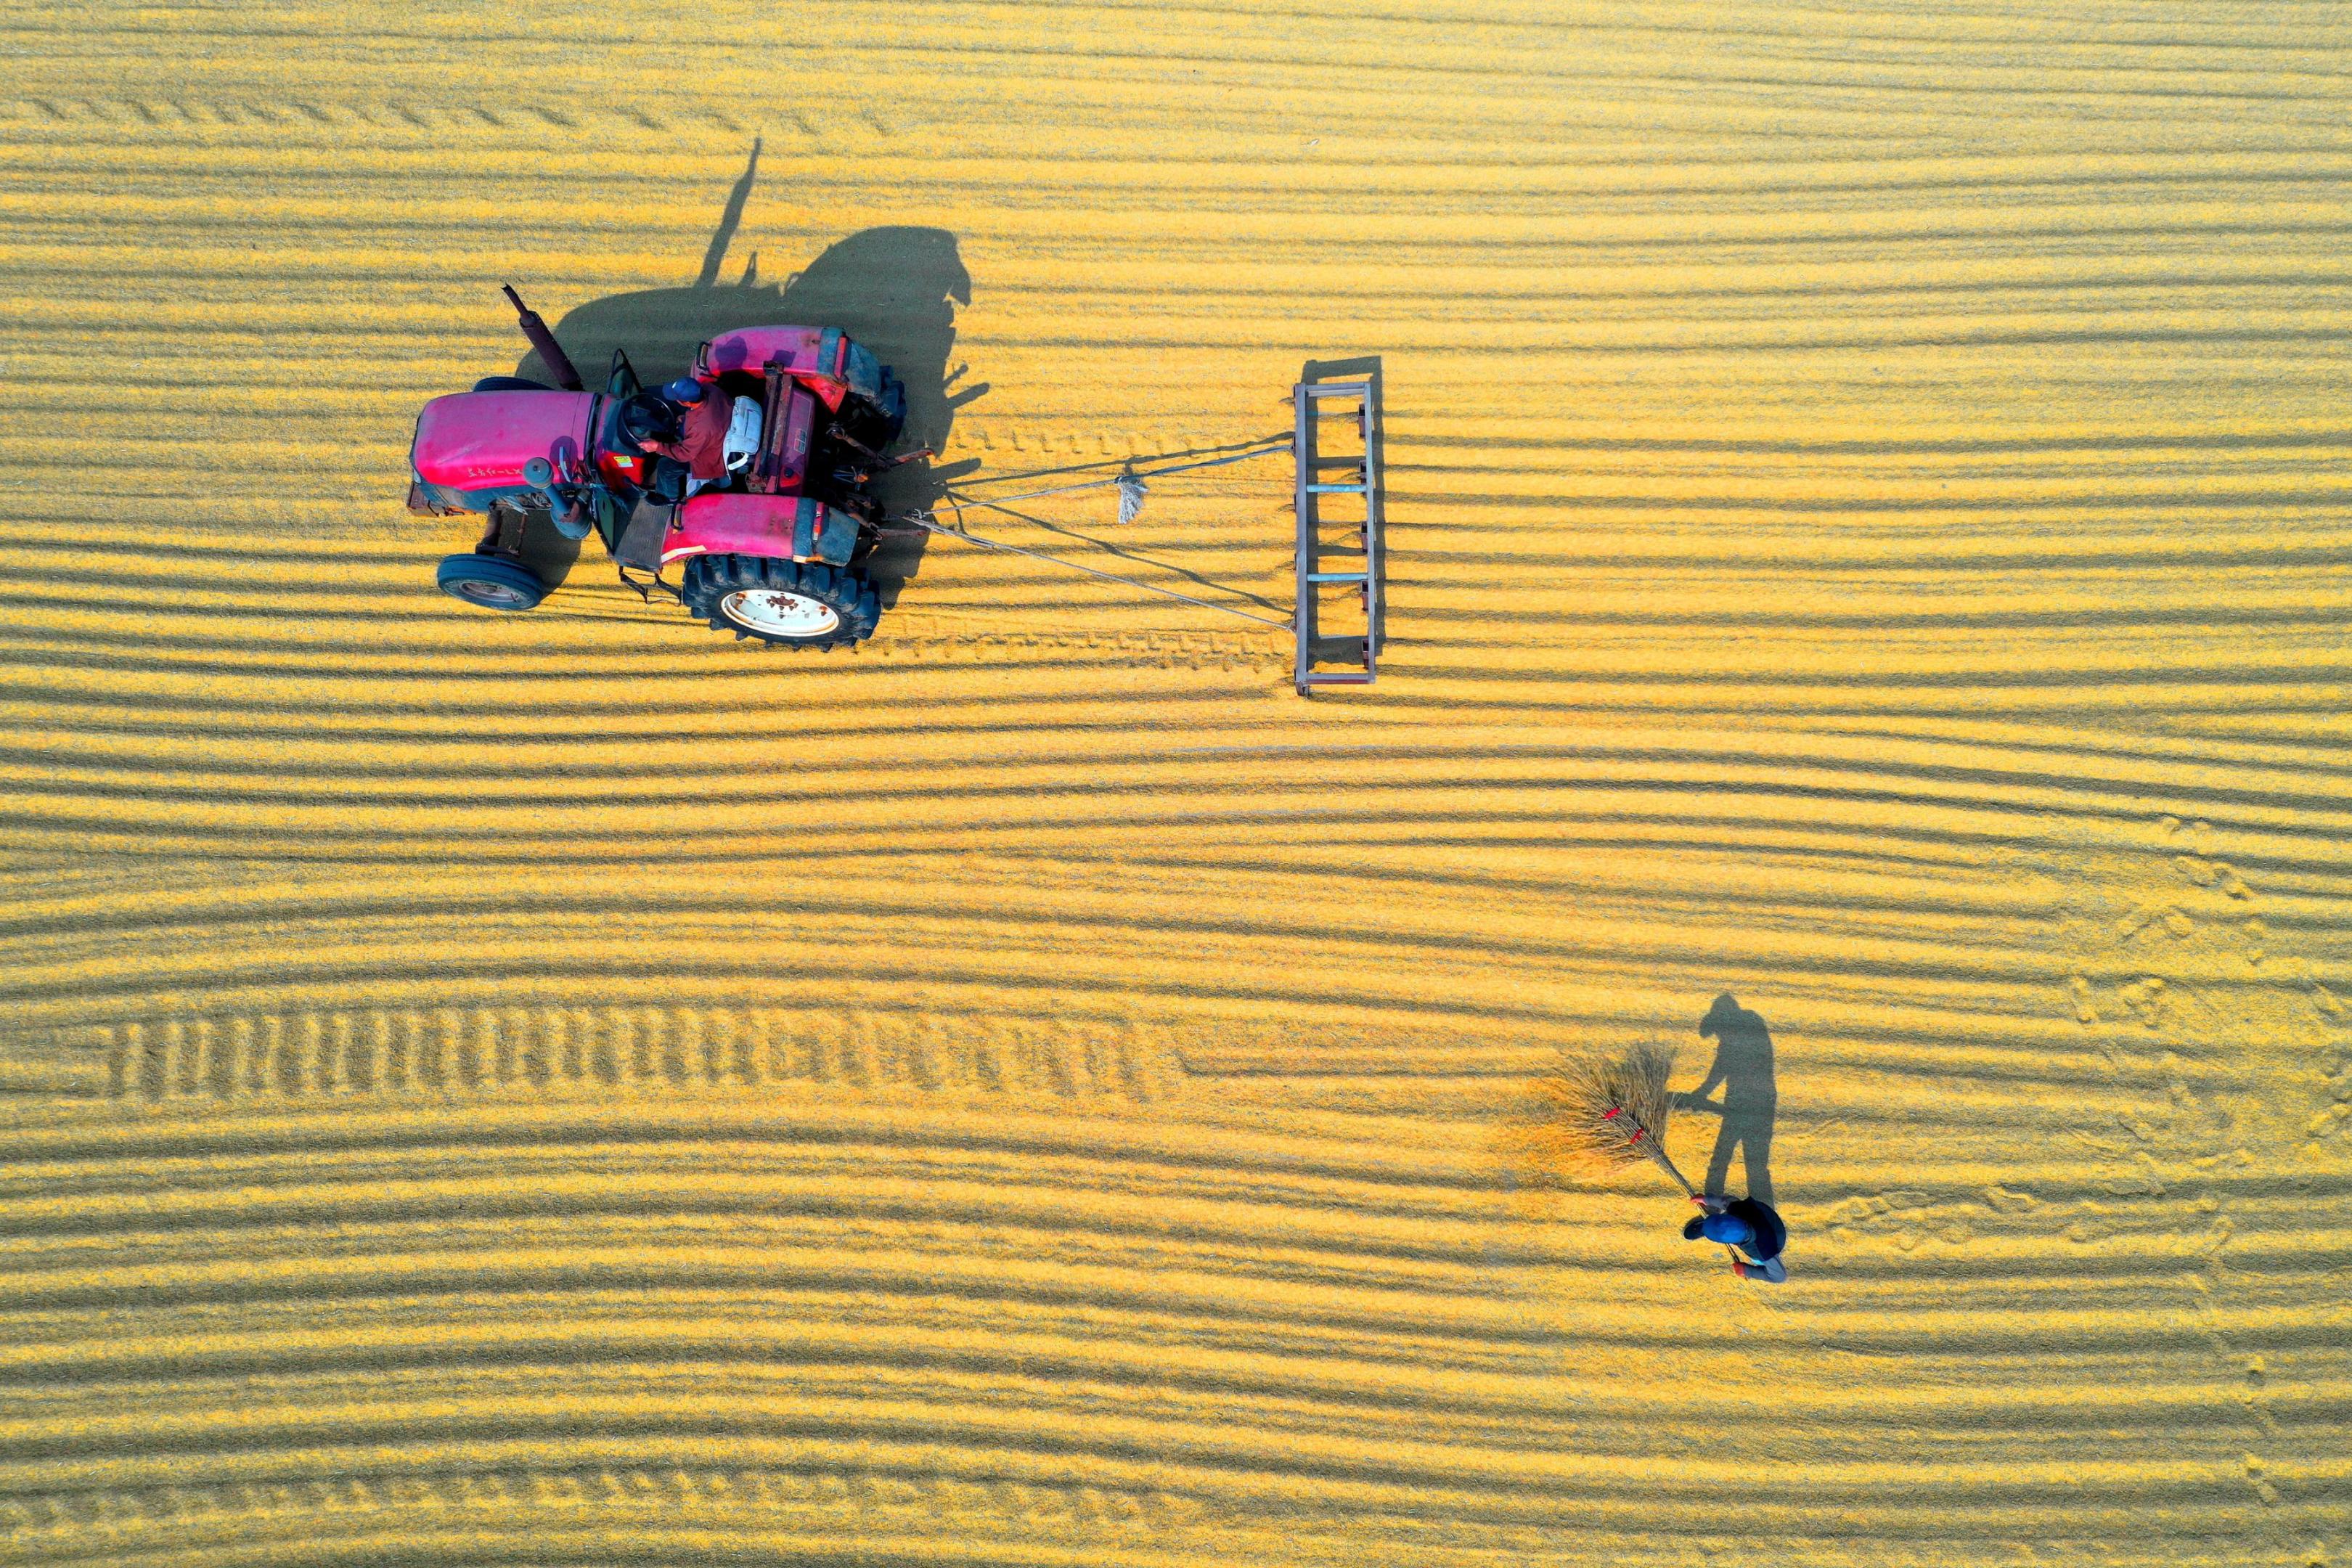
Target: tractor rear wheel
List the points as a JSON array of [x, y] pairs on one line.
[[510, 383], [490, 582], [805, 603]]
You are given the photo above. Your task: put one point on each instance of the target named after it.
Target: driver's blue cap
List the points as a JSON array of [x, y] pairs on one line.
[[685, 389]]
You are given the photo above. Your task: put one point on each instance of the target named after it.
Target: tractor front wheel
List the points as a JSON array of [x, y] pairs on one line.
[[490, 582], [805, 603]]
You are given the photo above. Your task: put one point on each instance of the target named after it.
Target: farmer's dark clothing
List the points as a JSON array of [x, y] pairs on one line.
[[1753, 1231], [1755, 1228], [1767, 1235], [1743, 1065], [702, 446]]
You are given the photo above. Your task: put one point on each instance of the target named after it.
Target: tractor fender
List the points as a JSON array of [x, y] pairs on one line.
[[788, 528], [752, 350], [822, 358]]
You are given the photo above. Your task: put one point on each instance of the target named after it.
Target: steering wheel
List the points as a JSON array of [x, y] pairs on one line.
[[646, 417]]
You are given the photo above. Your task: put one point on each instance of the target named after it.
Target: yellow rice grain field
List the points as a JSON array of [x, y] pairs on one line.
[[1870, 537]]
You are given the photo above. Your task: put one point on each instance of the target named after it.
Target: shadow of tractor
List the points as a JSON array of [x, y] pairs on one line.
[[894, 290]]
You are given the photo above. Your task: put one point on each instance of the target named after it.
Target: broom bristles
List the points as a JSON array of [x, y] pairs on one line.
[[1614, 1109]]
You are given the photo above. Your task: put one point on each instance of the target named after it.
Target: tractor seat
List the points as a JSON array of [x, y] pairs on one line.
[[742, 435]]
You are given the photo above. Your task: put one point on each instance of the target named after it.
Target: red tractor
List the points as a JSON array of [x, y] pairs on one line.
[[775, 548]]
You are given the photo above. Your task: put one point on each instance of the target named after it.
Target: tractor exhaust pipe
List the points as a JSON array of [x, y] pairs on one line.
[[550, 354]]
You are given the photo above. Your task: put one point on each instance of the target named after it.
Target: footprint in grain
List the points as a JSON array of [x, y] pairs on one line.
[[2145, 999]]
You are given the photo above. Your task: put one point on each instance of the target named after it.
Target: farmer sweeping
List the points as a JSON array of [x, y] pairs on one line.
[[1753, 1232], [1615, 1110]]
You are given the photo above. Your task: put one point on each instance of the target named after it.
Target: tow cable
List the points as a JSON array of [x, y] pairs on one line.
[[1130, 483]]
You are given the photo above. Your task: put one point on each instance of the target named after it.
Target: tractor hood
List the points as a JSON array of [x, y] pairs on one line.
[[481, 440]]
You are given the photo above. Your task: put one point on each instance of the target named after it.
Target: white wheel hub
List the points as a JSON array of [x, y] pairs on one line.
[[498, 596], [774, 613]]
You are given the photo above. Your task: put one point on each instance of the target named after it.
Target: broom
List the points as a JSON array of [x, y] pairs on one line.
[[1614, 1109]]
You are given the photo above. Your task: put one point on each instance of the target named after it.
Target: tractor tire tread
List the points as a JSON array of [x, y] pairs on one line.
[[511, 584], [708, 579]]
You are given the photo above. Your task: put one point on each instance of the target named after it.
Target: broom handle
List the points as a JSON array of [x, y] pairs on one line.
[[1668, 1166], [1658, 1153], [1650, 1143]]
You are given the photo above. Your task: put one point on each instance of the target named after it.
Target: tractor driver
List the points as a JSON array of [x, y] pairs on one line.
[[685, 424]]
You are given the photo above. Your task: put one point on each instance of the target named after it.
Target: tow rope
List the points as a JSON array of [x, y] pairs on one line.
[[1129, 481]]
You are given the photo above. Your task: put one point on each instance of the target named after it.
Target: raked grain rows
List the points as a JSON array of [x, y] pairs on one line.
[[1869, 536]]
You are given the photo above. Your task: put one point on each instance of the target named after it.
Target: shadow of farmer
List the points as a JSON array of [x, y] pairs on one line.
[[894, 290], [1743, 1066]]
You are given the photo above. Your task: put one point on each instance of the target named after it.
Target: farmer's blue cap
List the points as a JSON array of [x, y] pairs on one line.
[[685, 389], [1728, 1229]]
